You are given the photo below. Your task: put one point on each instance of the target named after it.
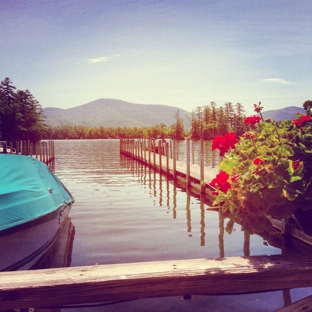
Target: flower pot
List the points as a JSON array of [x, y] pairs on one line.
[[304, 220]]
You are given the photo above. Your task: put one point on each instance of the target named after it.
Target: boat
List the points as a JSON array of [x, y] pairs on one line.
[[34, 204]]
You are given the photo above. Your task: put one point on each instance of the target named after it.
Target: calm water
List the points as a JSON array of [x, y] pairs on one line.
[[125, 212]]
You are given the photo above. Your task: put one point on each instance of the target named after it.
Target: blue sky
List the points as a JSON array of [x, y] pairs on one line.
[[178, 53]]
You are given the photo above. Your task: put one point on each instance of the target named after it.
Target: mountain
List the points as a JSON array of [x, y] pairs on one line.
[[118, 113], [283, 113], [113, 113]]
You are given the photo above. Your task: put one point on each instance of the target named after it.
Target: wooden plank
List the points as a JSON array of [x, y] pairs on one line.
[[303, 305], [74, 285]]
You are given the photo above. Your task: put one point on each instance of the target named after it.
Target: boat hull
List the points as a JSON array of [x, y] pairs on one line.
[[22, 249]]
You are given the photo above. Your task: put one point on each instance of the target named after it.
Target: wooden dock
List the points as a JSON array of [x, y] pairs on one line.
[[162, 156], [42, 150], [129, 281]]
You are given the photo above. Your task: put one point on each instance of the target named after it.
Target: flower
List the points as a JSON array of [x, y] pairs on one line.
[[267, 171], [220, 182], [224, 143], [252, 120], [302, 119], [258, 161]]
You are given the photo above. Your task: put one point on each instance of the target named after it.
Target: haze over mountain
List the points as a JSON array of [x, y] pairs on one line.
[[113, 113], [284, 113], [118, 113]]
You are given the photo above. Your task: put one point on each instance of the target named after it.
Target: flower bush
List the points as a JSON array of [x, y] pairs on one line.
[[268, 171]]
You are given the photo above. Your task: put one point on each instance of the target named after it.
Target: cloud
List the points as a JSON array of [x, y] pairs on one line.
[[278, 81], [102, 59]]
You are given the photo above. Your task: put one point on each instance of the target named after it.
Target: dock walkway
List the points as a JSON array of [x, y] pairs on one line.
[[163, 158]]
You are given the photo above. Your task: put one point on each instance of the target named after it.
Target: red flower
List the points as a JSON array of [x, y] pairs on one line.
[[224, 143], [252, 120], [305, 118], [302, 119], [231, 139], [220, 182], [258, 161]]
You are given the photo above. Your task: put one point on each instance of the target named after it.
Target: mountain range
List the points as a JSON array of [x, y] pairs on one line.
[[118, 113], [113, 113], [284, 113]]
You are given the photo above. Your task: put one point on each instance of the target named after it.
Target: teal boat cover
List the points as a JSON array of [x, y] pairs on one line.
[[28, 190]]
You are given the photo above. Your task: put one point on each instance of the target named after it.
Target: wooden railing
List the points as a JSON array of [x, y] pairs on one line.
[[129, 281], [163, 156], [42, 150]]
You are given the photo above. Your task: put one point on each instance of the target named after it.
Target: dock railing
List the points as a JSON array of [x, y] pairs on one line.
[[42, 150], [163, 156]]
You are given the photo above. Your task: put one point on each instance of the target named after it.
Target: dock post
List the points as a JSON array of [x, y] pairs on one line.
[[154, 154], [149, 151], [188, 165], [167, 158], [160, 155], [202, 172], [174, 154]]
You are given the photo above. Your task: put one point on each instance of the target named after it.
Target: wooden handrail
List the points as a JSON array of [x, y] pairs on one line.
[[99, 283]]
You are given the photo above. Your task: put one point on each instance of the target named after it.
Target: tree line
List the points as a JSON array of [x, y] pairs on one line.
[[22, 118], [205, 122]]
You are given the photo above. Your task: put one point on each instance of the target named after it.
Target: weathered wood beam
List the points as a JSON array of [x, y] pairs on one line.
[[98, 283], [303, 305]]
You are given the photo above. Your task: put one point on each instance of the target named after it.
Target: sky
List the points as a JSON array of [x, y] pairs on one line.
[[182, 53]]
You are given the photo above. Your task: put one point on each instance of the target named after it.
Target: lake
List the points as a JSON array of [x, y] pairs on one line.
[[126, 212]]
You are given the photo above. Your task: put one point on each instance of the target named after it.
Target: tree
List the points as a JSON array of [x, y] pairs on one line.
[[177, 129], [21, 115]]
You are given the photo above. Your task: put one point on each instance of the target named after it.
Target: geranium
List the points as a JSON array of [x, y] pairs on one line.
[[252, 120], [221, 182], [267, 172], [301, 120], [224, 143], [258, 161]]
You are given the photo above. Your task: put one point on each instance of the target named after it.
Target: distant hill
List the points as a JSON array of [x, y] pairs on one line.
[[283, 113], [118, 113], [113, 113]]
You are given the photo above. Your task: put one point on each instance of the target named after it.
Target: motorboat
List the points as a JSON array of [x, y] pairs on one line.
[[34, 204]]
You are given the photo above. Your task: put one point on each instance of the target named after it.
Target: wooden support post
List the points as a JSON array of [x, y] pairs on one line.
[[174, 154], [167, 158], [202, 166], [144, 148], [188, 164], [160, 155], [149, 151], [154, 154]]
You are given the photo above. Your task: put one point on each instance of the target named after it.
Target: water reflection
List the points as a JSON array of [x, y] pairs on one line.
[[165, 192], [60, 253]]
